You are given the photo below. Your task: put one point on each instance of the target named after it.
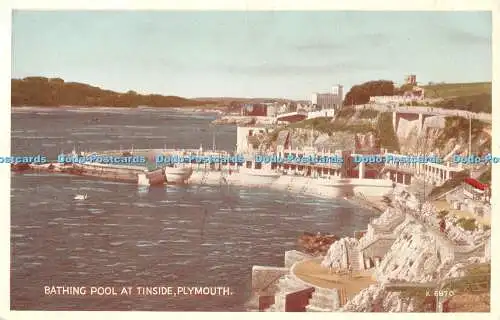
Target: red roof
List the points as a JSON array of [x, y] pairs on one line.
[[476, 184]]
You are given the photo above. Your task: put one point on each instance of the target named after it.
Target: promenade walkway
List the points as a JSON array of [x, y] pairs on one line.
[[426, 110], [312, 272], [443, 205]]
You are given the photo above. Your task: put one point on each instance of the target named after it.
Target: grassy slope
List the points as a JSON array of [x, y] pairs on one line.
[[474, 97], [449, 90]]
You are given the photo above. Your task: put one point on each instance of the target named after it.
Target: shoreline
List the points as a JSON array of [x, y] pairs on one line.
[[199, 108], [244, 120], [373, 203]]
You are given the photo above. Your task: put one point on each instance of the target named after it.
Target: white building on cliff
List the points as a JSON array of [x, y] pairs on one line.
[[332, 100]]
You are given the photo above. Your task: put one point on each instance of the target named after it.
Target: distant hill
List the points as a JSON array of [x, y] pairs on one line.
[[229, 100], [41, 91]]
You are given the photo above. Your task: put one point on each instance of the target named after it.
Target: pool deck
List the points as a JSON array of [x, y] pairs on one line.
[[312, 272]]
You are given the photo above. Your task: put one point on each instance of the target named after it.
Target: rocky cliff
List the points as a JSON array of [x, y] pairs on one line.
[[348, 131], [369, 130], [340, 140], [441, 135]]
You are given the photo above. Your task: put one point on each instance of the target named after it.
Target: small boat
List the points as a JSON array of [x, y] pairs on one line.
[[80, 197], [260, 176], [177, 175]]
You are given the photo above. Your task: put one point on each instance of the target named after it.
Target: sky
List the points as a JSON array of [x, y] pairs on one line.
[[250, 54]]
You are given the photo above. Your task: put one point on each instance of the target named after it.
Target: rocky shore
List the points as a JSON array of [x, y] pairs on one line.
[[243, 120], [316, 244], [217, 110]]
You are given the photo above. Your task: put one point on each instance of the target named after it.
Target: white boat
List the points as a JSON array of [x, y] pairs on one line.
[[253, 173], [255, 177], [80, 197], [177, 175]]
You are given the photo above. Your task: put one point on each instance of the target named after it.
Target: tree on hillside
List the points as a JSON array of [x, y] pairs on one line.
[[403, 89], [360, 94], [41, 91]]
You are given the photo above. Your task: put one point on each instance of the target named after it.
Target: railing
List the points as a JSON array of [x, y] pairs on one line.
[[392, 106], [445, 193], [287, 112], [172, 151], [363, 245], [393, 223]]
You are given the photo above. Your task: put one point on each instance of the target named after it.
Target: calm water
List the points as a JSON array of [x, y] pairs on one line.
[[124, 236]]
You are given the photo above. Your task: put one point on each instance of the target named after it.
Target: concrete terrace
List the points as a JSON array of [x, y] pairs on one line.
[[311, 272], [293, 116]]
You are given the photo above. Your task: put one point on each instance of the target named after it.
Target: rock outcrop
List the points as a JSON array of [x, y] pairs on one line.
[[241, 120], [419, 255], [441, 135], [337, 256], [316, 244], [415, 256]]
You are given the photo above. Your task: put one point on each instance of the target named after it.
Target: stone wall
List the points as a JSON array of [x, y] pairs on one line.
[[374, 188], [378, 249], [334, 297], [265, 302], [435, 122], [293, 256], [265, 279], [298, 300], [405, 127]]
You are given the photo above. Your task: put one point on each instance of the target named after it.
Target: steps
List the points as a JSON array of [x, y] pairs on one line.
[[354, 258], [376, 238], [324, 300]]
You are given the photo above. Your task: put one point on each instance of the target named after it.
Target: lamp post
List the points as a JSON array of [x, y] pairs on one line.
[[425, 178], [470, 134], [213, 138]]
